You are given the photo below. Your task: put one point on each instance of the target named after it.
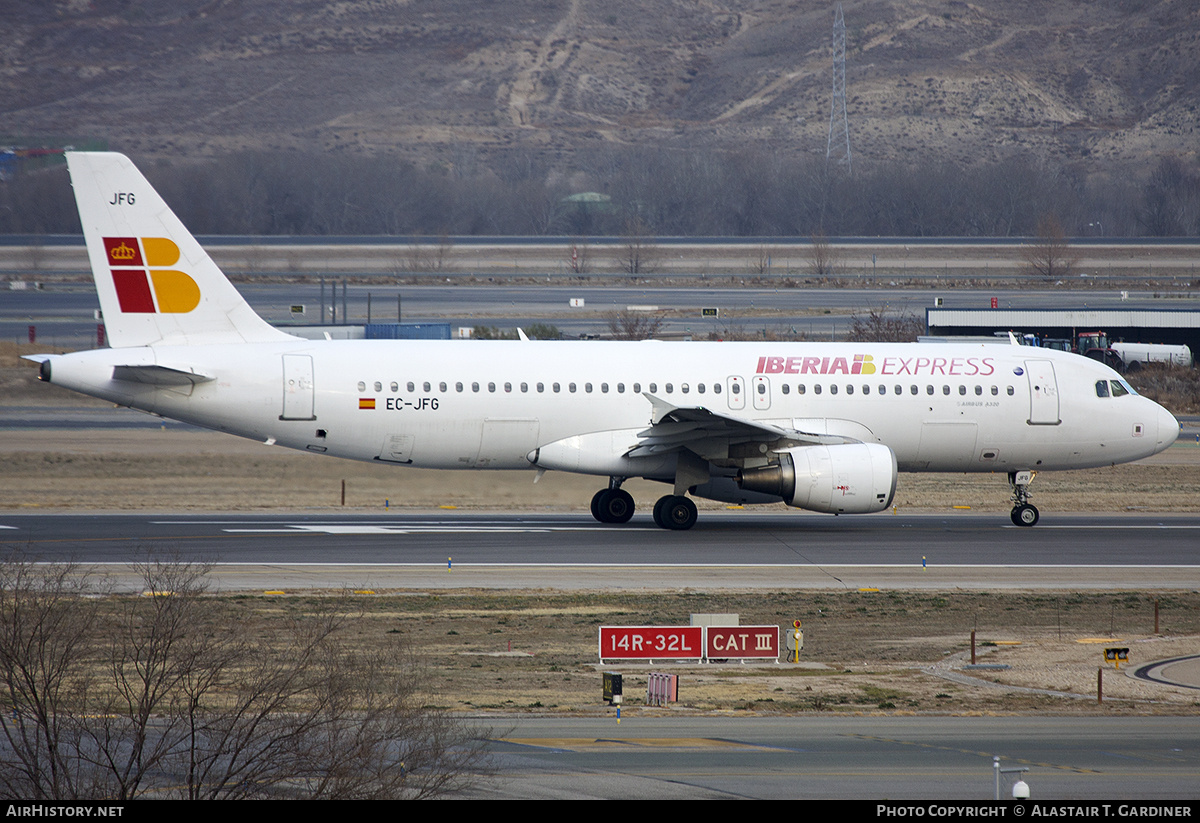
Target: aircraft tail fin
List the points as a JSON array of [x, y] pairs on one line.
[[156, 283]]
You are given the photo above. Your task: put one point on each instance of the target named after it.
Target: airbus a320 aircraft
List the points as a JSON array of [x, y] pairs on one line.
[[819, 426]]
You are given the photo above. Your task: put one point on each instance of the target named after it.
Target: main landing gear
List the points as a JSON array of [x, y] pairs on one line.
[[615, 505], [675, 512], [612, 505], [1023, 512]]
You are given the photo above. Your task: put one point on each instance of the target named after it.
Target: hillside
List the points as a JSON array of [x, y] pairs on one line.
[[1091, 83]]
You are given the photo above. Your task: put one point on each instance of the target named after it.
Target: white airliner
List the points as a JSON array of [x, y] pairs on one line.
[[819, 426]]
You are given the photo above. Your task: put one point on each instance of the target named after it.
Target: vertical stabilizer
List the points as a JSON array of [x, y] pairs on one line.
[[156, 284]]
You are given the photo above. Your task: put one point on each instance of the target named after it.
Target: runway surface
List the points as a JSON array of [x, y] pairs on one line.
[[731, 548]]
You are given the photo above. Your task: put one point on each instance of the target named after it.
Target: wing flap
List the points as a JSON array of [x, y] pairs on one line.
[[705, 432]]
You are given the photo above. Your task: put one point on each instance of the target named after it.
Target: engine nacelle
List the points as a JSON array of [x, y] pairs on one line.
[[852, 478]]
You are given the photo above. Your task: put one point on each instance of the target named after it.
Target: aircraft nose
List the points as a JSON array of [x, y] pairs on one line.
[[1168, 428]]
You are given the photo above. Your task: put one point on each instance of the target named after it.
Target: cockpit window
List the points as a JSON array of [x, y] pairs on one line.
[[1120, 388], [1102, 388]]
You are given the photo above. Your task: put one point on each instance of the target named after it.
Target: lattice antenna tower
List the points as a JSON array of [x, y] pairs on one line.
[[839, 125]]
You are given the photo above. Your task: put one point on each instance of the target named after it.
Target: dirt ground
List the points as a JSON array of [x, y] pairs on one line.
[[890, 652]]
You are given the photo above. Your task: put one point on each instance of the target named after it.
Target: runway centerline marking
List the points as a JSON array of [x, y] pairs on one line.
[[413, 529]]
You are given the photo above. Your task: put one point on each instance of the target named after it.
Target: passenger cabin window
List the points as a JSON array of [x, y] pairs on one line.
[[412, 386], [800, 388], [395, 386], [716, 388], [475, 387], [785, 388], [427, 386], [362, 386], [491, 387], [458, 387], [378, 386]]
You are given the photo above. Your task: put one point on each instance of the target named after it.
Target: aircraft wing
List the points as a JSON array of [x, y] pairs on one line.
[[710, 434]]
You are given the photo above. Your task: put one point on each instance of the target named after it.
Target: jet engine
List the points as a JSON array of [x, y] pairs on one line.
[[851, 478]]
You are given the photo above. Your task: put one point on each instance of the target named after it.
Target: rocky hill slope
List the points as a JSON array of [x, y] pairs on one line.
[[1087, 82]]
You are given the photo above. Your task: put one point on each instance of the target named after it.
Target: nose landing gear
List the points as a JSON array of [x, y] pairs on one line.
[[1023, 512]]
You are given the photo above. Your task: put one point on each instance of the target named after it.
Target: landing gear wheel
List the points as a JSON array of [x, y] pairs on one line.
[[675, 512], [1025, 515], [658, 508], [615, 506], [612, 506], [596, 504]]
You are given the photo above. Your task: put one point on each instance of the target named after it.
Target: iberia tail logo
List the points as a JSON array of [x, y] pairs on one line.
[[145, 284]]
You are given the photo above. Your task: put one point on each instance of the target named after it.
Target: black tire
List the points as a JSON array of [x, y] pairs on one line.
[[678, 513], [1025, 516], [616, 506], [596, 505], [658, 511]]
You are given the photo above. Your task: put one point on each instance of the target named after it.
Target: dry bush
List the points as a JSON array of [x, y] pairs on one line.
[[823, 257], [885, 326], [1177, 388], [633, 325], [115, 698], [1050, 255]]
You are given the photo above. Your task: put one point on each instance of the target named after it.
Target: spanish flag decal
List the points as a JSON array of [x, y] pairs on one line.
[[366, 402], [144, 283]]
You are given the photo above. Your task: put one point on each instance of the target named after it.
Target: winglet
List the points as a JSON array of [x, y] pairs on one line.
[[156, 284]]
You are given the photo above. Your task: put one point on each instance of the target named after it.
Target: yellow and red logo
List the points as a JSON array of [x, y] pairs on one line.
[[366, 402], [145, 284]]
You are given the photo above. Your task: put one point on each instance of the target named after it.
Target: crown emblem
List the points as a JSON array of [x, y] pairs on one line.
[[122, 252]]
